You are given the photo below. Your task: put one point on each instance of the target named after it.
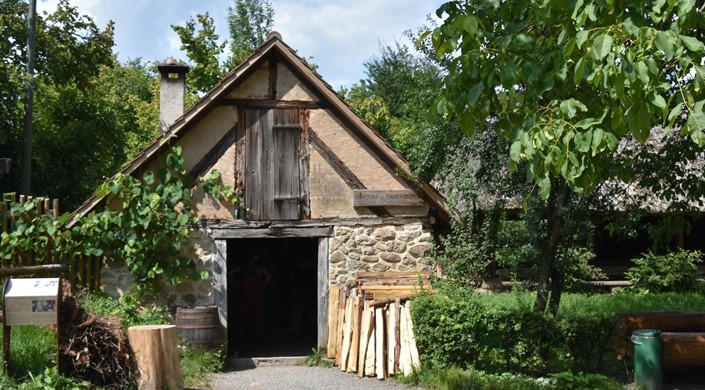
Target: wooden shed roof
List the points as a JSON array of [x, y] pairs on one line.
[[275, 46]]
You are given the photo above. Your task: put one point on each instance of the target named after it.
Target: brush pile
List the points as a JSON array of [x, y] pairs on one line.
[[93, 348]]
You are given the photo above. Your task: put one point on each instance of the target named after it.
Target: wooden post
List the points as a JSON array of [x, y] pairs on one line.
[[355, 347], [347, 333], [334, 293], [397, 334], [379, 336], [157, 356]]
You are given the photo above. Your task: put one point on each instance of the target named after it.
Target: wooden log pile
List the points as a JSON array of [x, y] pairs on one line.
[[370, 329]]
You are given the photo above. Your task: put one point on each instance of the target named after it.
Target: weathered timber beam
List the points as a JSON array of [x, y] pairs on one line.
[[328, 222], [267, 103], [272, 233]]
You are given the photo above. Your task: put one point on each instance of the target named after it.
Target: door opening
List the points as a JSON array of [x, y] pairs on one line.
[[272, 296]]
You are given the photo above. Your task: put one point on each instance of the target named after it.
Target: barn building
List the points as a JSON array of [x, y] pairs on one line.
[[323, 196]]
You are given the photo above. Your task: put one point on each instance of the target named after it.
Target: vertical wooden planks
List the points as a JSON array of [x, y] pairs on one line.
[[322, 290], [339, 331], [391, 338], [379, 340], [355, 344], [347, 334], [364, 340], [333, 312], [371, 344]]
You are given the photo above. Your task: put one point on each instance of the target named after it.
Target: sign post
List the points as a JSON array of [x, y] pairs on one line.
[[30, 302]]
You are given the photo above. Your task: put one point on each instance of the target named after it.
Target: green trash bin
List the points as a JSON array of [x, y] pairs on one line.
[[648, 358]]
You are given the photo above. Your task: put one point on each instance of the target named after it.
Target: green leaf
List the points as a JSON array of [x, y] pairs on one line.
[[581, 37], [642, 72], [515, 151], [597, 136], [601, 46], [675, 113], [570, 106], [657, 100], [665, 41], [148, 178], [544, 187], [693, 44], [579, 70], [475, 92]]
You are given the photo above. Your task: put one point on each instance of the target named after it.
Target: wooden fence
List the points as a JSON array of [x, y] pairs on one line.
[[83, 271]]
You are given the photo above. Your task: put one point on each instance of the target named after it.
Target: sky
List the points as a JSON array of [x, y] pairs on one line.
[[340, 35]]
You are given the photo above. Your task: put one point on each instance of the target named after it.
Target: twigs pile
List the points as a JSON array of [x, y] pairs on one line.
[[94, 348]]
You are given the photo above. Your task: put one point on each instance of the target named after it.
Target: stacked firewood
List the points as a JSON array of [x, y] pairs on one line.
[[370, 331]]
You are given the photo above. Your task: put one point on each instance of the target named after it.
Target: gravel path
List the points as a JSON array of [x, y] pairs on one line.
[[298, 377]]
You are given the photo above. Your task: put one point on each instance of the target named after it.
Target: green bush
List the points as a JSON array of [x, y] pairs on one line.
[[672, 272], [501, 332], [197, 364], [126, 308], [582, 381]]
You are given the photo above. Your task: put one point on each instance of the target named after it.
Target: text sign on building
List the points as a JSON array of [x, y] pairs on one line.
[[31, 301], [367, 198]]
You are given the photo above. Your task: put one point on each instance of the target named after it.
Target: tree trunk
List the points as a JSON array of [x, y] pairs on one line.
[[550, 283], [157, 356]]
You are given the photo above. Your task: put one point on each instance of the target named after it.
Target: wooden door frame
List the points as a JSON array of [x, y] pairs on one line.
[[220, 269]]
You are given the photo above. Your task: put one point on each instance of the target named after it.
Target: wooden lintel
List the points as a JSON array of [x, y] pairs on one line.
[[273, 232], [262, 103], [325, 223]]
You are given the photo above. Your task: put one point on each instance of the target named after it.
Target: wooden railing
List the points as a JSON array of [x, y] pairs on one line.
[[83, 271]]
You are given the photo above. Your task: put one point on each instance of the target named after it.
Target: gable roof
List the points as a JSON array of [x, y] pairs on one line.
[[219, 92]]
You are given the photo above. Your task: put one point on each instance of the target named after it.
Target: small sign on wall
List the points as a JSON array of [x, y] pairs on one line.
[[31, 301], [404, 198]]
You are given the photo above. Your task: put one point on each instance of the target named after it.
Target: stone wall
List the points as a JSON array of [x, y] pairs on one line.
[[116, 279], [379, 249]]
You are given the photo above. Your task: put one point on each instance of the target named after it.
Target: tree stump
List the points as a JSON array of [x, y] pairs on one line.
[[157, 356]]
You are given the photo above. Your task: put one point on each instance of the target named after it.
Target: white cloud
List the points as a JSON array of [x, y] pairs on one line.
[[340, 35]]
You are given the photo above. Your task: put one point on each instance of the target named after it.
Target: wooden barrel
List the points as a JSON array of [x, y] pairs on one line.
[[200, 326]]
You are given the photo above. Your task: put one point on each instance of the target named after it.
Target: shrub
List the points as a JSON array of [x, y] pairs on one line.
[[672, 272], [197, 363], [126, 308], [501, 332]]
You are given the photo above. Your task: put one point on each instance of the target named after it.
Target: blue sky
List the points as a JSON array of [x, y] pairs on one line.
[[339, 35]]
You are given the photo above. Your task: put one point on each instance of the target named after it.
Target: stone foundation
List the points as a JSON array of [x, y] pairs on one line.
[[378, 249]]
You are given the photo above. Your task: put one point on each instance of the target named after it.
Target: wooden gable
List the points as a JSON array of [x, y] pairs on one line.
[[290, 145]]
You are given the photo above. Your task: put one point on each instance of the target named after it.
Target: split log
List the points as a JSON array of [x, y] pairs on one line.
[[397, 335], [683, 349], [347, 333], [379, 342], [157, 356], [334, 296], [371, 346], [339, 331], [355, 344], [413, 351], [364, 341], [390, 316], [405, 364]]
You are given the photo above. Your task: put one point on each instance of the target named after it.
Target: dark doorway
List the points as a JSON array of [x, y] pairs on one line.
[[272, 296]]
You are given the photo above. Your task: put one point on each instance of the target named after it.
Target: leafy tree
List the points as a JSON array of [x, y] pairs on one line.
[[399, 83], [75, 141], [564, 82], [199, 40], [249, 21]]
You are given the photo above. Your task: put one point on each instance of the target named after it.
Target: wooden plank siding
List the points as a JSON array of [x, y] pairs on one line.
[[274, 161], [83, 271]]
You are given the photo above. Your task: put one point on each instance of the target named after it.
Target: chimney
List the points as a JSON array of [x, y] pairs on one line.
[[171, 92]]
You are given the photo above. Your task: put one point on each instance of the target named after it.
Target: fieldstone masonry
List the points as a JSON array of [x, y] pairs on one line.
[[378, 249], [116, 279]]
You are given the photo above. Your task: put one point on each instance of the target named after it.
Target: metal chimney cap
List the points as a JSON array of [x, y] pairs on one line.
[[173, 66]]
